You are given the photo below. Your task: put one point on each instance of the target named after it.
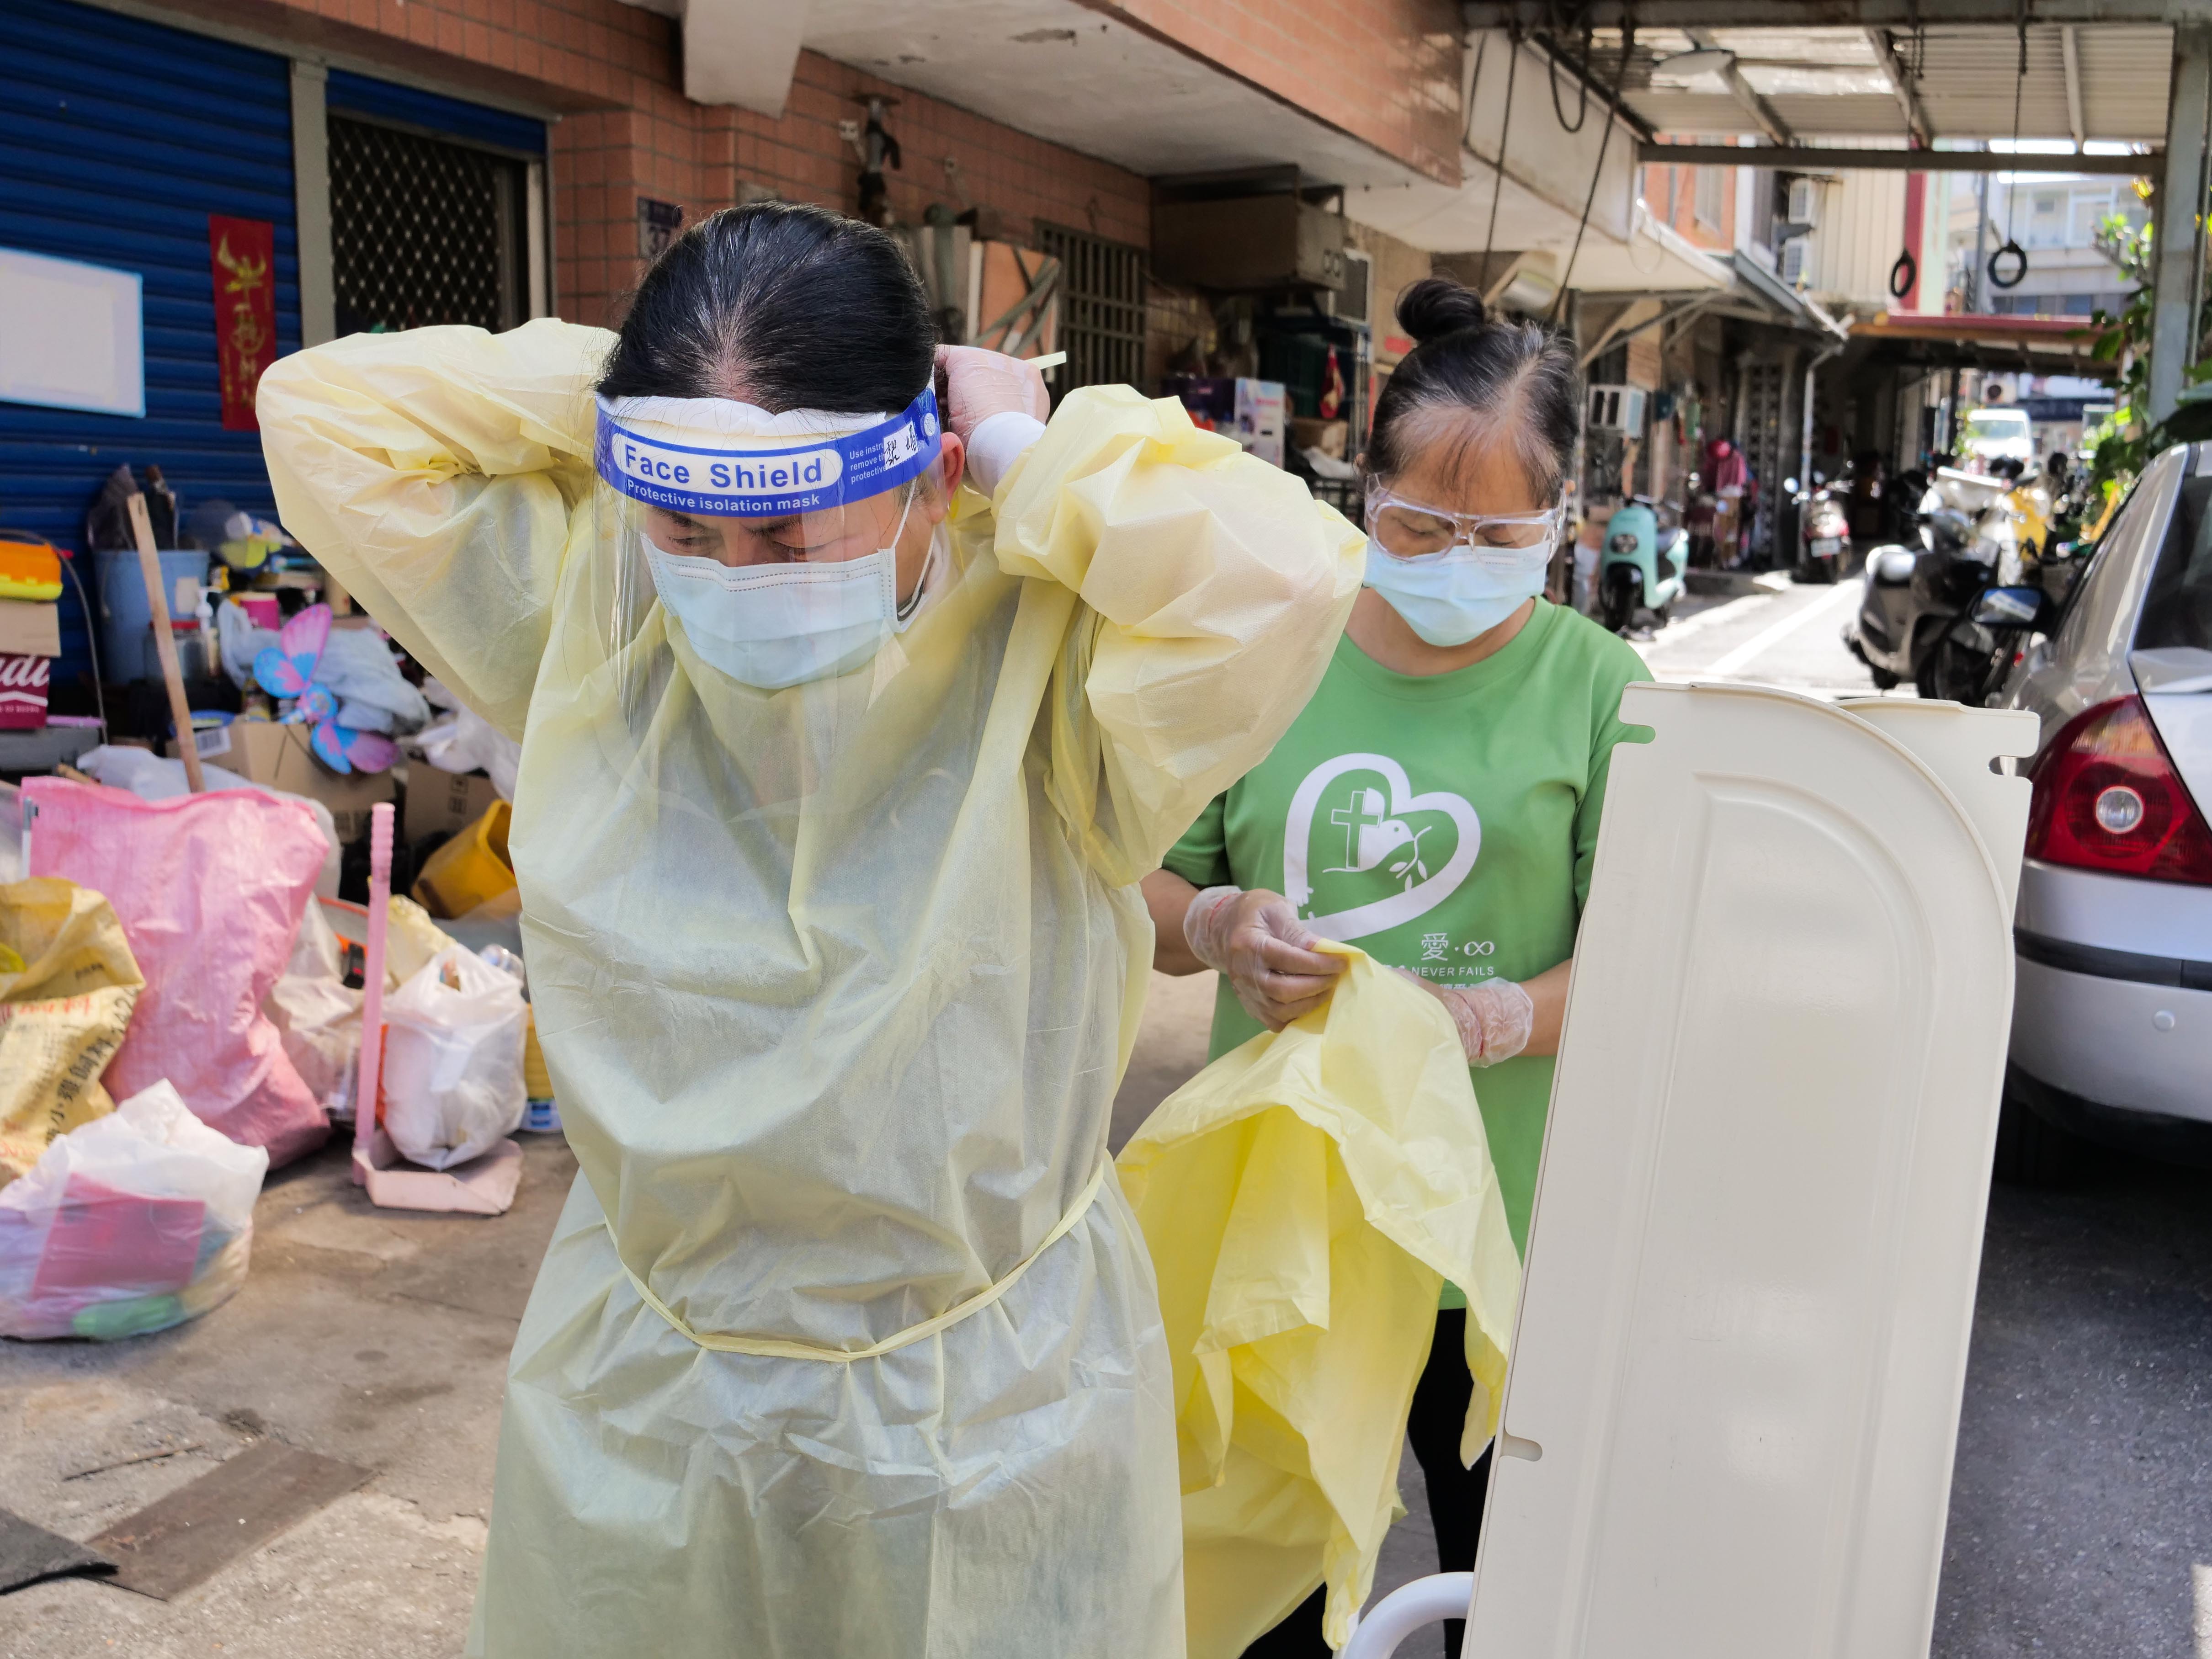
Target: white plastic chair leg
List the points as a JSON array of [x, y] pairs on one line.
[[1406, 1610]]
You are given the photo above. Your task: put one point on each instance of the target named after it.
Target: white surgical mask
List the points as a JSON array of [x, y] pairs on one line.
[[772, 626], [1453, 597]]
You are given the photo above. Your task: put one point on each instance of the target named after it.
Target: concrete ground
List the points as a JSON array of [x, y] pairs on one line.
[[2082, 1508], [372, 1336]]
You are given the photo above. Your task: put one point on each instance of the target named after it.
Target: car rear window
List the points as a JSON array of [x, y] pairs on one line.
[[2178, 608]]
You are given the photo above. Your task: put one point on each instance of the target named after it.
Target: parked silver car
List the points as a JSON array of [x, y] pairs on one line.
[[2112, 1036]]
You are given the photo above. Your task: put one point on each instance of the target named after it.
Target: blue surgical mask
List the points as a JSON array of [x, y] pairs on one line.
[[1454, 596], [778, 625]]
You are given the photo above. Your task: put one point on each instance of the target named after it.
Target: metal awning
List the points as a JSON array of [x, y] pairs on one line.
[[1908, 71], [2039, 345], [1755, 281]]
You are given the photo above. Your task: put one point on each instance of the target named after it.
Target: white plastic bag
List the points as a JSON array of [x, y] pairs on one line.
[[133, 1223], [318, 1019], [11, 834], [462, 740], [452, 1060]]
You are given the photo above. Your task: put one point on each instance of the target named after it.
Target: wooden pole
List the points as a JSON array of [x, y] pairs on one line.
[[157, 601]]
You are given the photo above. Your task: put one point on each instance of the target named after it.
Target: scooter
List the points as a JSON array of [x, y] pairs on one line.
[[1824, 528], [1921, 618], [1642, 568]]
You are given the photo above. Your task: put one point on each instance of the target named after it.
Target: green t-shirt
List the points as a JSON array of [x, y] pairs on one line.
[[1446, 825]]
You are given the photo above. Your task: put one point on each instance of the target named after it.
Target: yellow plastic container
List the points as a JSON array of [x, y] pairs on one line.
[[537, 1082], [30, 569], [469, 870]]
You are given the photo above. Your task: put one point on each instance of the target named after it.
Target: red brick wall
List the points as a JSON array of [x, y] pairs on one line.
[[696, 156], [1656, 181], [631, 132], [1386, 71]]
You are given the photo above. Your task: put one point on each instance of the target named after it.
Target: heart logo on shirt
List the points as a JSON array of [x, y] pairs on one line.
[[1375, 837]]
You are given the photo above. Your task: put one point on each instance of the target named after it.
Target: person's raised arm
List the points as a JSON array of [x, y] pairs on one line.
[[1215, 586], [433, 474]]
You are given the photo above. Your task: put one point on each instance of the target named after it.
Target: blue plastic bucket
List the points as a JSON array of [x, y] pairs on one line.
[[126, 621]]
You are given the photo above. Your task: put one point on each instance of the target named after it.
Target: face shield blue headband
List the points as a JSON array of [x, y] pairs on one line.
[[807, 586]]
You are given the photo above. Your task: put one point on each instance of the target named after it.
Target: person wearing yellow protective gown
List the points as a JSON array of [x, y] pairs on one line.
[[836, 780]]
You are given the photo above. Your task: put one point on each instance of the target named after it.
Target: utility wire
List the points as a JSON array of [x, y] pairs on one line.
[[1551, 74], [1619, 75], [1504, 132]]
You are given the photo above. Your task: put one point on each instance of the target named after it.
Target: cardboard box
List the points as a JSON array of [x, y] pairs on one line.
[[23, 691], [30, 637], [261, 751], [442, 802], [29, 629]]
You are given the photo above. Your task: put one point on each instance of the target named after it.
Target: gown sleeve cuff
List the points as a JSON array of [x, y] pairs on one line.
[[998, 443]]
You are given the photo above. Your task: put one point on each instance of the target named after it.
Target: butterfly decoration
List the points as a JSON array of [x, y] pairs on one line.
[[287, 669]]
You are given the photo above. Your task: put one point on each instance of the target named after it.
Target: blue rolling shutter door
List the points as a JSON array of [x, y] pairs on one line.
[[381, 100], [123, 136]]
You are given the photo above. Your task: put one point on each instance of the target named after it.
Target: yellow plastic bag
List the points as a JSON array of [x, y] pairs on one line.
[[1304, 1198], [470, 869], [63, 1010]]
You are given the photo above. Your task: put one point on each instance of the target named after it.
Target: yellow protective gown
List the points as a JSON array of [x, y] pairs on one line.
[[836, 985], [1304, 1198]]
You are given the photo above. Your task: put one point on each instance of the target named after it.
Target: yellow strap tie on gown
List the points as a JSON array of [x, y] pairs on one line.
[[775, 1347], [1304, 1198]]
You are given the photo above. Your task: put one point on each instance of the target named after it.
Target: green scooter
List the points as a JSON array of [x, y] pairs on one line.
[[1642, 566]]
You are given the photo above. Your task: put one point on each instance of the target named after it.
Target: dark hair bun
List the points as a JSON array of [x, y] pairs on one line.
[[1437, 306]]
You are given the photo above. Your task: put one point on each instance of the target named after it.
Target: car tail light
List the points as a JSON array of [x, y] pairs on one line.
[[2107, 798]]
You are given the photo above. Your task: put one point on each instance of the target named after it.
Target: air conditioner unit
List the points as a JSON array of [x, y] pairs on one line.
[[1804, 202], [1248, 243], [1796, 253], [1616, 408], [1351, 303]]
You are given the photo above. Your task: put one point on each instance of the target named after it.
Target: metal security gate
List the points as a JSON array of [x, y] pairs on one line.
[[435, 209], [1101, 318], [1762, 417], [424, 231]]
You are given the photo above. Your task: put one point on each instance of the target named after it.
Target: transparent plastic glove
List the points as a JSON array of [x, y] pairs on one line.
[[1256, 939], [979, 384], [1494, 1018]]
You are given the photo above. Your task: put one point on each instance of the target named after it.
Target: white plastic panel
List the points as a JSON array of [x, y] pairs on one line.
[[1742, 1335], [1959, 752]]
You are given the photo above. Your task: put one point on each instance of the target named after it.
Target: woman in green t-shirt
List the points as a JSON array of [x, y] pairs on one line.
[[1436, 802]]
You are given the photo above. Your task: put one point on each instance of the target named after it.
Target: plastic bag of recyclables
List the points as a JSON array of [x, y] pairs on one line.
[[210, 889], [453, 1059], [318, 1016], [134, 1222], [68, 984], [150, 777]]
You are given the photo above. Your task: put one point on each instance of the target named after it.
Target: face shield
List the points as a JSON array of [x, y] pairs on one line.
[[780, 550]]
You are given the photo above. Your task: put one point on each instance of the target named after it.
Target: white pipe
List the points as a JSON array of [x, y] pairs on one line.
[[1406, 1610]]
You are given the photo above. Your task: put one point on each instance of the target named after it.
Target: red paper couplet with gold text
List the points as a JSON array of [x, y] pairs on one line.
[[242, 256]]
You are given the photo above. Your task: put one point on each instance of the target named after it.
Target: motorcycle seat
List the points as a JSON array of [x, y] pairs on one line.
[[1890, 566]]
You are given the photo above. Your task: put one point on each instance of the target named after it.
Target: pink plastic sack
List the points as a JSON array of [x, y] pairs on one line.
[[210, 889]]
